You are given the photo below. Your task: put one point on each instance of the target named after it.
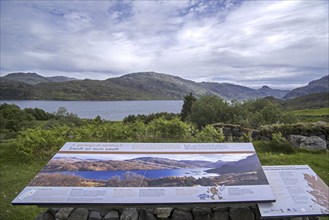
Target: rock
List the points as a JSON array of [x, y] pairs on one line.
[[179, 214], [112, 215], [242, 213], [79, 214], [63, 213], [220, 209], [257, 214], [129, 214], [93, 215], [220, 215], [102, 211], [45, 216], [163, 212], [310, 143], [145, 214], [53, 211], [201, 213]]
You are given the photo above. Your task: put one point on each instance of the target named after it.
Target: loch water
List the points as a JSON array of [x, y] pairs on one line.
[[109, 110]]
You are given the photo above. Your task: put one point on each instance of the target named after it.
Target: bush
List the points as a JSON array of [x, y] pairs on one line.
[[41, 143], [173, 129], [280, 144], [148, 118], [210, 134]]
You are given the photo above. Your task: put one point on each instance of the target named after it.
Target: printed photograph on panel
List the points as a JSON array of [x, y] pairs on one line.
[[152, 170]]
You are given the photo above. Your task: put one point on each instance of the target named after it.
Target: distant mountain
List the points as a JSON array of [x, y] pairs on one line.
[[159, 85], [266, 91], [313, 100], [250, 163], [134, 86], [15, 90], [230, 91], [164, 163], [33, 78], [316, 86]]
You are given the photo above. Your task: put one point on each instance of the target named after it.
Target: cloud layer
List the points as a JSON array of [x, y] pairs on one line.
[[282, 44]]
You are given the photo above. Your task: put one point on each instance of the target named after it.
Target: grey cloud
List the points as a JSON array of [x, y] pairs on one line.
[[267, 40]]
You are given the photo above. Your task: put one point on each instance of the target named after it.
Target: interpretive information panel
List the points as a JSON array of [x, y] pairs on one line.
[[298, 190], [149, 173]]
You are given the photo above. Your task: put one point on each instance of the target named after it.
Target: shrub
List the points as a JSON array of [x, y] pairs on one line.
[[210, 134], [174, 128], [247, 137], [280, 144], [41, 143]]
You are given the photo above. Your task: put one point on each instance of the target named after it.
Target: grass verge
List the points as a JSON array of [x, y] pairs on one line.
[[15, 174], [317, 160]]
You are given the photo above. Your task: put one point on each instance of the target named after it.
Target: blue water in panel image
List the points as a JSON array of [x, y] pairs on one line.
[[151, 174]]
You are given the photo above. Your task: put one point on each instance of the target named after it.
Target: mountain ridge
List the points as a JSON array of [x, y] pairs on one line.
[[34, 78], [132, 86], [316, 86]]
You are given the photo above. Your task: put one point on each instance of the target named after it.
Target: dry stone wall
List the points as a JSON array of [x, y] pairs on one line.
[[236, 133], [233, 212]]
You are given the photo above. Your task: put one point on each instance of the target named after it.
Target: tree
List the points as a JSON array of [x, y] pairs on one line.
[[187, 106], [209, 110]]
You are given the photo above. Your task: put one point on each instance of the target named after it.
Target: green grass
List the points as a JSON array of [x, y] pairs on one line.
[[312, 115], [15, 174], [318, 160]]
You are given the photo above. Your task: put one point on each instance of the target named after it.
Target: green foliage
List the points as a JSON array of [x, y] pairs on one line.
[[187, 106], [253, 113], [280, 144], [44, 141], [210, 134], [39, 114], [173, 129], [247, 137], [13, 120], [41, 143], [209, 110], [312, 115], [148, 118]]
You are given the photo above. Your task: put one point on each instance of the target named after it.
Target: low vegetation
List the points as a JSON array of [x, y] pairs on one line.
[[30, 137], [312, 115]]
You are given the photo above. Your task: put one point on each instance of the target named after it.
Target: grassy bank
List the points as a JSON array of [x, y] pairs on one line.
[[16, 173], [312, 115]]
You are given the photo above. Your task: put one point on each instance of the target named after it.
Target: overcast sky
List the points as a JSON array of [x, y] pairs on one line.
[[282, 44]]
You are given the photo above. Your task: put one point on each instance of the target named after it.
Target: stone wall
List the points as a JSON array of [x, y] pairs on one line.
[[232, 212], [236, 133]]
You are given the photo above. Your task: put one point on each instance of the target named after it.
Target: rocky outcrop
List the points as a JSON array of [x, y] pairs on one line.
[[309, 143], [231, 212]]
